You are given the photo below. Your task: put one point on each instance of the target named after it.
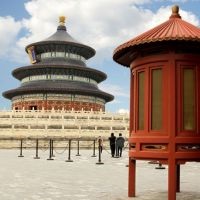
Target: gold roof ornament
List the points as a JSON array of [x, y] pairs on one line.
[[62, 20], [175, 12], [175, 9]]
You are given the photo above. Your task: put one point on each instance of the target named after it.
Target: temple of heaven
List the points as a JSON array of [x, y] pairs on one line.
[[58, 77], [165, 97]]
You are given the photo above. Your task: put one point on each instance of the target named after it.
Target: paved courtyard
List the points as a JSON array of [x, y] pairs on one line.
[[30, 179]]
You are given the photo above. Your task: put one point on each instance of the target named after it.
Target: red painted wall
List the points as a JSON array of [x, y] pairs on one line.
[[171, 138], [58, 105]]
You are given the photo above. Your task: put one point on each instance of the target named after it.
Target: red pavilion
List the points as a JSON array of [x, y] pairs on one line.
[[165, 97]]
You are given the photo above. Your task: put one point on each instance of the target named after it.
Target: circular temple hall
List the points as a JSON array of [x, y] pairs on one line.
[[58, 77]]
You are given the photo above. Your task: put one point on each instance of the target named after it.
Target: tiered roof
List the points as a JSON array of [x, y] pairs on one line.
[[63, 42]]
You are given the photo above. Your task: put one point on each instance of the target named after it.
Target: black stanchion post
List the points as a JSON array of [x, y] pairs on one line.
[[36, 150], [69, 152], [21, 146], [78, 147], [153, 162], [178, 178], [50, 151], [52, 147], [160, 166], [94, 149], [99, 158]]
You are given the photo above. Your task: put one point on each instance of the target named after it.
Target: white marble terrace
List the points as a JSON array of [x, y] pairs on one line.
[[67, 124]]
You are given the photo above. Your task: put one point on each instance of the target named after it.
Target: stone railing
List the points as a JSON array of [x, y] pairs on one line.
[[20, 123]]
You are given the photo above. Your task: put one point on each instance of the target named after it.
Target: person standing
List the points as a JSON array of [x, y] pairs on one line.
[[100, 143], [119, 145], [112, 140]]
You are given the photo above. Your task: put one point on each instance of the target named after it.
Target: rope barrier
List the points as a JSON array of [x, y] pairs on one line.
[[61, 151], [91, 144], [106, 150], [45, 146], [126, 147]]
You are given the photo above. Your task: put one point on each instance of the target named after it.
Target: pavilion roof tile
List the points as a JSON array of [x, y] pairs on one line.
[[173, 29]]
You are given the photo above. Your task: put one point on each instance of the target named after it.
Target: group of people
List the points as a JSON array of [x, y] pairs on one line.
[[116, 144]]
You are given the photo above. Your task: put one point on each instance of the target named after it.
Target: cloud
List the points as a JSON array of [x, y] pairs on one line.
[[173, 1], [122, 110], [9, 30], [115, 90], [86, 22], [101, 24], [163, 13]]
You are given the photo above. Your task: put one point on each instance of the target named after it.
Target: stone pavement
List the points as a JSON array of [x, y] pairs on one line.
[[30, 179]]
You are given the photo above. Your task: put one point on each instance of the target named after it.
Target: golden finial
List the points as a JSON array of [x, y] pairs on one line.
[[175, 9], [175, 12], [62, 20]]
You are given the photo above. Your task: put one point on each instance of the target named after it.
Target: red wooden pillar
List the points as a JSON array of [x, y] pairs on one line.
[[172, 179], [172, 128], [132, 178]]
